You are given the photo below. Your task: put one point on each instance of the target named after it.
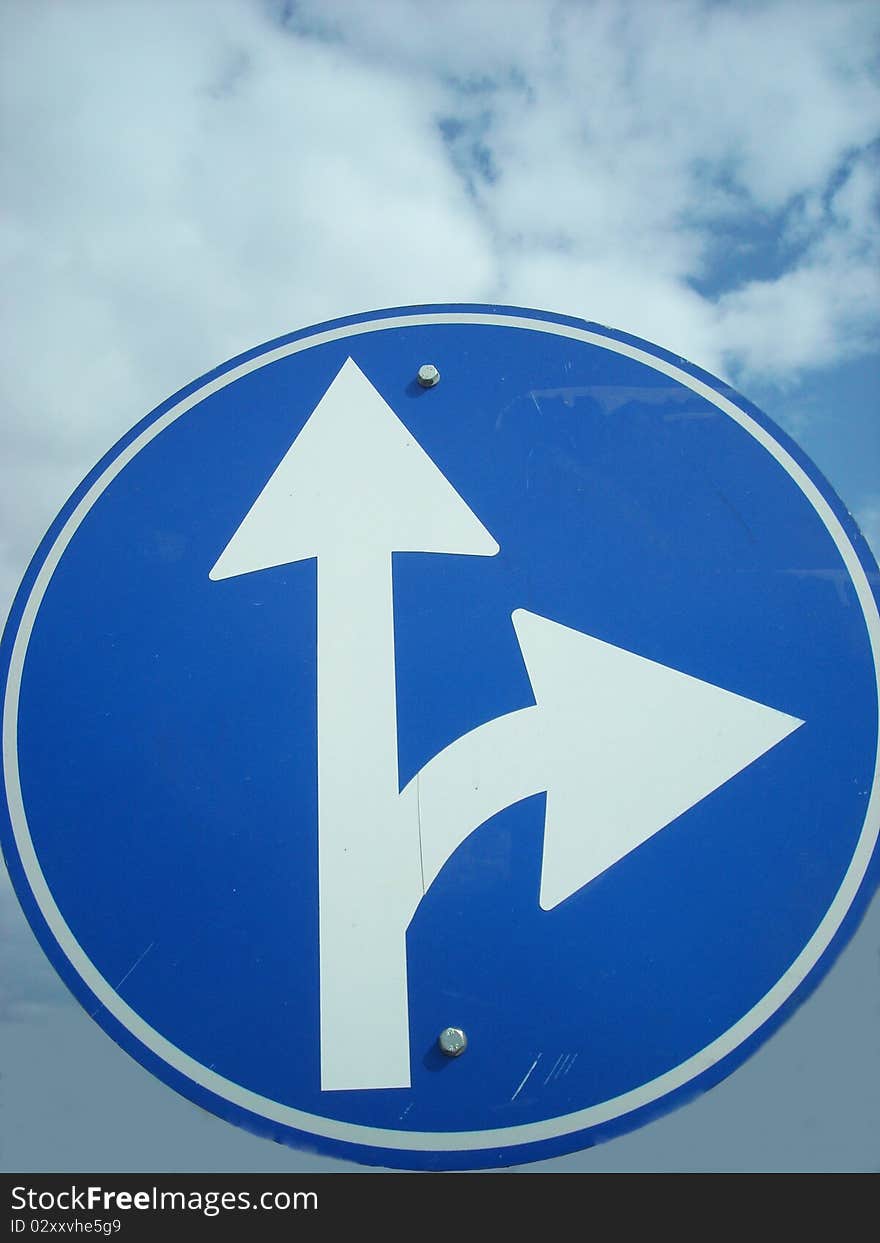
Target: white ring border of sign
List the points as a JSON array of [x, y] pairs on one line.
[[435, 1141]]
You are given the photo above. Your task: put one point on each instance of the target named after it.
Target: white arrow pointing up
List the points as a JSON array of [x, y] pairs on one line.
[[353, 488], [354, 484]]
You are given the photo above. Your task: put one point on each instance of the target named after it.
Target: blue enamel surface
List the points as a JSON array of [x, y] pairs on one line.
[[168, 755]]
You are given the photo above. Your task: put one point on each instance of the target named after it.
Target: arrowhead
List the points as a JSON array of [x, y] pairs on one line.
[[355, 479], [631, 745]]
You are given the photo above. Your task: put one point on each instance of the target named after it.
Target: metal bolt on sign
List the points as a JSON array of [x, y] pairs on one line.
[[428, 375], [452, 1041]]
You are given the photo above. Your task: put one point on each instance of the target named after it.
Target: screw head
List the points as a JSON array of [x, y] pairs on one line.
[[452, 1041], [428, 375]]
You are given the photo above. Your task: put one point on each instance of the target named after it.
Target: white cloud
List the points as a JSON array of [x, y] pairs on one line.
[[179, 189], [629, 146], [183, 183], [816, 315]]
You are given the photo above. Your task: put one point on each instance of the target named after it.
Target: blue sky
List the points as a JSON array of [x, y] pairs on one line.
[[183, 182]]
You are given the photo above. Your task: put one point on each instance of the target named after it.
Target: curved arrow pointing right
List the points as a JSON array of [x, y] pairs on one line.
[[621, 744]]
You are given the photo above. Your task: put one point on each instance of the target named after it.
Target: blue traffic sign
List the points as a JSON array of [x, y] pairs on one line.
[[445, 737]]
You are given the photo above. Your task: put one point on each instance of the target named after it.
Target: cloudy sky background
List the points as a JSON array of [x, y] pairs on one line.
[[183, 181]]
